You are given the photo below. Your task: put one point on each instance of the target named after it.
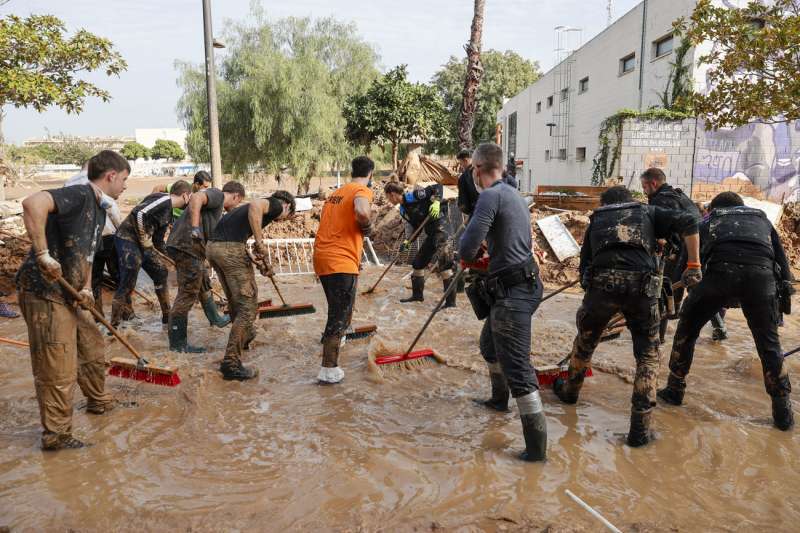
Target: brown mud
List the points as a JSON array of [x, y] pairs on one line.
[[411, 453]]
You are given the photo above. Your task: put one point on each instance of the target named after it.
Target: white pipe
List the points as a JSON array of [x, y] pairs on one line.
[[591, 511]]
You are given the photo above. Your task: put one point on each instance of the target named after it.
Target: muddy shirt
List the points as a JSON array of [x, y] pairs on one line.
[[745, 253], [180, 237], [501, 217], [416, 204], [235, 226], [151, 217], [73, 238], [666, 222]]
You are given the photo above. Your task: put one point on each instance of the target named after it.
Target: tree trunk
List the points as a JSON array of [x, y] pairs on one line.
[[395, 150], [2, 157], [472, 81]]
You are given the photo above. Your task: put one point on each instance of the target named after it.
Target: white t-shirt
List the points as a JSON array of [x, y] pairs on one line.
[[114, 217]]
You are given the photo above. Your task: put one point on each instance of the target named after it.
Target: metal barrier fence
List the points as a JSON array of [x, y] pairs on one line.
[[292, 257]]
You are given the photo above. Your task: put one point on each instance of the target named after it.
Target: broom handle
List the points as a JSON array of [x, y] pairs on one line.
[[100, 318], [15, 343], [397, 256], [450, 289], [111, 284], [275, 284], [558, 291], [18, 237], [792, 352]]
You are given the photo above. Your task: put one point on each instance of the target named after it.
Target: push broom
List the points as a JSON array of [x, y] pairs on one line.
[[138, 369], [275, 311]]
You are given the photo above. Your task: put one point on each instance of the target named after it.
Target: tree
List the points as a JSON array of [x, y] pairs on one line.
[[678, 90], [505, 75], [752, 63], [41, 66], [165, 149], [394, 110], [133, 151], [472, 80], [282, 88]]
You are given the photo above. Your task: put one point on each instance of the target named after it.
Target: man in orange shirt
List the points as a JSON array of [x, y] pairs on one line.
[[344, 223]]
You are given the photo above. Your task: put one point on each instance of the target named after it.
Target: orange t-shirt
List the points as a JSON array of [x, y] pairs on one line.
[[339, 243]]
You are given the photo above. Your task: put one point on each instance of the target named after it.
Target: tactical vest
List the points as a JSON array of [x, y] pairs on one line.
[[738, 224], [622, 225]]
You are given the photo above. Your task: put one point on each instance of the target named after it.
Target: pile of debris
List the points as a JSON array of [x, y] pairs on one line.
[[13, 250], [789, 232], [550, 268]]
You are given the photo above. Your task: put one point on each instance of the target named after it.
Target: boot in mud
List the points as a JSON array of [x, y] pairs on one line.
[[163, 301], [674, 391], [499, 400], [329, 372], [62, 442], [639, 434], [451, 298], [568, 390], [417, 290], [212, 313], [782, 414], [719, 334], [534, 427], [177, 337], [233, 369]]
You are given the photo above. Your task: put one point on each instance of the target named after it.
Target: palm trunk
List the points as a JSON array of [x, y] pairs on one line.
[[395, 150], [472, 81], [2, 157]]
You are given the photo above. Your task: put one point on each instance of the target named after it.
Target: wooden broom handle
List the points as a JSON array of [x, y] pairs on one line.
[[14, 342], [397, 256]]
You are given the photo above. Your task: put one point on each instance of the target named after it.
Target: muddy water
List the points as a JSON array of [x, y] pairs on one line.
[[413, 452]]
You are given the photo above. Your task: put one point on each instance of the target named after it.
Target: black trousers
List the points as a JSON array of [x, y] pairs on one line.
[[435, 242], [506, 336], [340, 292], [104, 259], [754, 288]]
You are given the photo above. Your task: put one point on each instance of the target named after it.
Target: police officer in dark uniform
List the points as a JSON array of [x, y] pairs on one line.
[[468, 187], [509, 293], [415, 207], [745, 263], [619, 274]]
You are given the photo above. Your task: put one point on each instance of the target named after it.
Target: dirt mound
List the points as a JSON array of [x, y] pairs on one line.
[[789, 232], [551, 270], [12, 253], [302, 225]]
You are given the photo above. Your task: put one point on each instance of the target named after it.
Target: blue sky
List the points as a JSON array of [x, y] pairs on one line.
[[152, 34]]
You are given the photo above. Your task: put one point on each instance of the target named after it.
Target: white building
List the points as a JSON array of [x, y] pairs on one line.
[[552, 126], [148, 136]]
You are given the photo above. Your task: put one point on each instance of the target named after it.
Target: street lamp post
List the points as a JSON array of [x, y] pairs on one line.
[[211, 91]]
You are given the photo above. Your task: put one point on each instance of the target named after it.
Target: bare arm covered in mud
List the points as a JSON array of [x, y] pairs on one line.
[[361, 207], [35, 209], [196, 203]]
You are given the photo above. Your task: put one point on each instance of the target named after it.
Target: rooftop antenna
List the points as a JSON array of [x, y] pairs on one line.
[[609, 8]]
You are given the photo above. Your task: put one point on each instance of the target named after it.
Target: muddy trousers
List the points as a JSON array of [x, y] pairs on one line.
[[131, 258], [238, 279], [754, 288], [66, 348], [340, 293], [105, 259], [506, 336], [642, 318], [191, 274]]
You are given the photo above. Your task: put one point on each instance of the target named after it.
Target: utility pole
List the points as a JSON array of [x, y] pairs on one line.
[[211, 93]]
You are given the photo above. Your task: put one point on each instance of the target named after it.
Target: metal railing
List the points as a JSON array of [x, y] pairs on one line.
[[293, 257]]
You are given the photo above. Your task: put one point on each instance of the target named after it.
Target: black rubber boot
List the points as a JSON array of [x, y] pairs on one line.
[[673, 392], [662, 331], [499, 400], [451, 298], [534, 427], [417, 290], [639, 434], [782, 414], [163, 301], [212, 313], [233, 370], [568, 391], [177, 337], [719, 334], [462, 284]]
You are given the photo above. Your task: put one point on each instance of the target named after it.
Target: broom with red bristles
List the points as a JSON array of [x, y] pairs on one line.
[[138, 369]]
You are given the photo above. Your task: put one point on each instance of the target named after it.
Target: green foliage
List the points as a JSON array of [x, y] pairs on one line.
[[62, 151], [133, 151], [505, 75], [610, 138], [753, 62], [394, 110], [677, 95], [164, 149], [283, 84]]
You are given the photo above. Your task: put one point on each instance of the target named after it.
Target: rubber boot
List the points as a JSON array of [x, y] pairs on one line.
[[233, 370], [534, 427], [163, 301], [782, 414], [719, 334], [329, 372], [462, 284], [499, 400], [568, 390], [451, 298], [673, 392], [63, 442], [117, 313], [417, 290], [177, 336], [662, 331], [212, 313], [639, 434]]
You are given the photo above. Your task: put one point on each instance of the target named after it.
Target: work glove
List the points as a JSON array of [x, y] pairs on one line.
[[197, 233], [49, 267], [435, 210], [85, 299], [265, 268], [692, 275], [406, 246]]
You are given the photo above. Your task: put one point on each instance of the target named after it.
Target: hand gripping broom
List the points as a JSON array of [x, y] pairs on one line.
[[138, 369], [274, 311]]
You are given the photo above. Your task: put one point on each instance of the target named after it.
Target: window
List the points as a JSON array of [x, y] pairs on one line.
[[564, 93], [662, 46], [583, 85], [627, 64], [580, 153], [512, 133], [547, 155], [538, 107], [562, 154], [549, 101]]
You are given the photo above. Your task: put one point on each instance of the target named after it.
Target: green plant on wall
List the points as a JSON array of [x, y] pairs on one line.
[[677, 95]]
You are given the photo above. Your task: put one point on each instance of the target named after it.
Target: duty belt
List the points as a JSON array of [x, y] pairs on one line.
[[511, 277], [611, 280]]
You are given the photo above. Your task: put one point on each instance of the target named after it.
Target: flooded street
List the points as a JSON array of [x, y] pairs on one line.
[[413, 452]]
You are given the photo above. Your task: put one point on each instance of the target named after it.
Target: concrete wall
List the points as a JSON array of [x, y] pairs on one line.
[[668, 145]]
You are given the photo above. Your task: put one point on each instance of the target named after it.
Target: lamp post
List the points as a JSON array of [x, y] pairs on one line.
[[211, 93]]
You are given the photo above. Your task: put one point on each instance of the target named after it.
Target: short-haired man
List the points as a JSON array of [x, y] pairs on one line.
[[415, 207], [619, 274], [136, 249], [746, 264], [344, 223], [469, 187], [227, 253], [66, 347], [187, 248], [511, 292]]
